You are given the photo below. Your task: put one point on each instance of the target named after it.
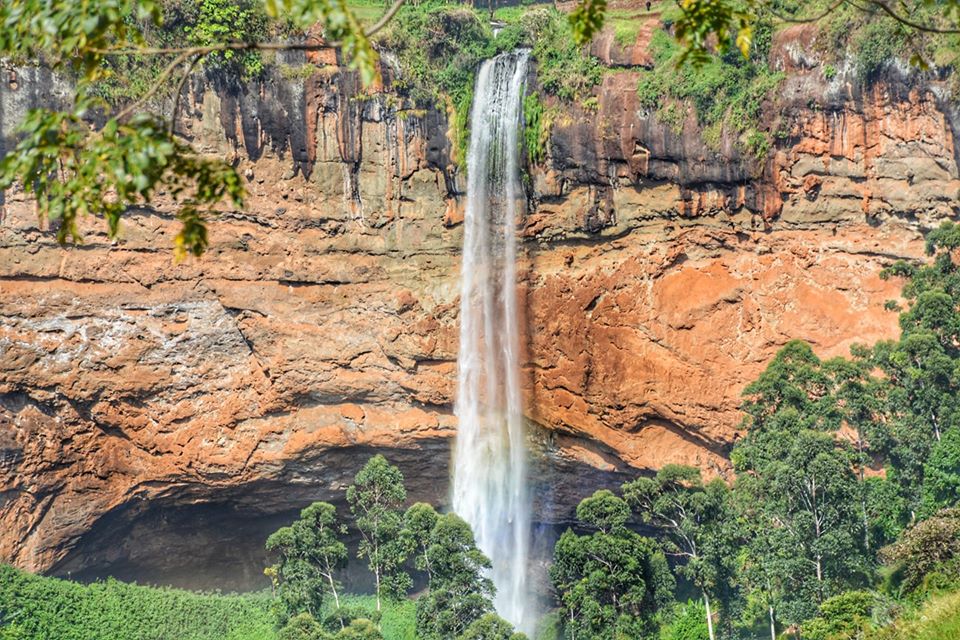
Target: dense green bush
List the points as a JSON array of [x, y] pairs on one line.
[[49, 609], [206, 22], [302, 626], [924, 548], [688, 622], [876, 45], [842, 617], [39, 608], [439, 45], [564, 69], [194, 23]]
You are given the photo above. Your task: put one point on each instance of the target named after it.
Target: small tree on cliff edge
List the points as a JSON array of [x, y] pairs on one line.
[[375, 498]]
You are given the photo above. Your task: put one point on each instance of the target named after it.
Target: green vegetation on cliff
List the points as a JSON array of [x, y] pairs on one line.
[[125, 38], [726, 93], [440, 44], [186, 23]]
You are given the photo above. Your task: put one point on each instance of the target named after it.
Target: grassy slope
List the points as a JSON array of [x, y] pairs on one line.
[[399, 619], [937, 619], [39, 608], [368, 11], [36, 607]]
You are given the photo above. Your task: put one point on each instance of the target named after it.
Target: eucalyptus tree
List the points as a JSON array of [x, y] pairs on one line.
[[310, 553], [797, 477], [419, 522], [610, 582], [858, 397], [460, 592], [693, 516], [376, 497], [764, 564]]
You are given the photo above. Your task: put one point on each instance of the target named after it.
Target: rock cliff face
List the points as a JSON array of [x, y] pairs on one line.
[[158, 419]]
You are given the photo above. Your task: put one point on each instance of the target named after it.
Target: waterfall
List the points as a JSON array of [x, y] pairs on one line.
[[489, 470]]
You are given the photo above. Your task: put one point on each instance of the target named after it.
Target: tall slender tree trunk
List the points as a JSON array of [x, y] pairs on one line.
[[863, 493], [376, 576], [336, 596], [706, 603], [773, 623]]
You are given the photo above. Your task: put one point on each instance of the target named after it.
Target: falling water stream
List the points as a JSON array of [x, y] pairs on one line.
[[489, 471]]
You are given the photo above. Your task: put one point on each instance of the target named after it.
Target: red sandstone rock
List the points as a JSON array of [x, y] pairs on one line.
[[657, 278]]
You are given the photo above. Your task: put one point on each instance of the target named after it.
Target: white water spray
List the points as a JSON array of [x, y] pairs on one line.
[[490, 475]]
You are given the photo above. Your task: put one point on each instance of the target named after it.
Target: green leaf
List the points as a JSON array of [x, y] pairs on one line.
[[587, 19]]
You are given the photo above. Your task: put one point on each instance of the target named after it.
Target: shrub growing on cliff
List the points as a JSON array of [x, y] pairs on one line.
[[726, 92], [564, 68], [536, 129], [439, 46], [207, 22]]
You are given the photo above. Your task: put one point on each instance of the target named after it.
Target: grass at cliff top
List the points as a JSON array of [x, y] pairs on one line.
[[368, 11], [39, 608]]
